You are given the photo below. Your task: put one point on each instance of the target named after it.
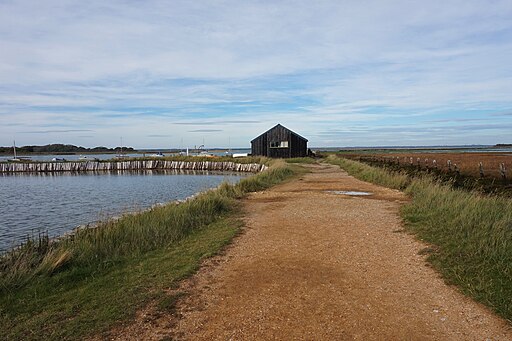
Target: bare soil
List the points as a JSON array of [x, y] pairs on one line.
[[316, 265]]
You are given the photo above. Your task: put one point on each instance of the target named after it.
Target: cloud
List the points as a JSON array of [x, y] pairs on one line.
[[204, 130], [505, 114], [215, 122], [54, 131], [146, 70]]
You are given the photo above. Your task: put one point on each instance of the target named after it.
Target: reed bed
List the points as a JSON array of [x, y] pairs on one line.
[[464, 162], [470, 233]]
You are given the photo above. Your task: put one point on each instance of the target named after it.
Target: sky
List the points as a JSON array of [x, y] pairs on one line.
[[171, 74]]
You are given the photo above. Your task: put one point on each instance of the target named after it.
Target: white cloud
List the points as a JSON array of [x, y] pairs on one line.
[[126, 64]]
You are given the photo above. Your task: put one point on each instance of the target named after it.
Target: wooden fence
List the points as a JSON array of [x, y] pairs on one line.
[[432, 163], [94, 166]]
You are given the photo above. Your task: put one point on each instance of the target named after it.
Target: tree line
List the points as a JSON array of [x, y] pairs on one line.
[[62, 148]]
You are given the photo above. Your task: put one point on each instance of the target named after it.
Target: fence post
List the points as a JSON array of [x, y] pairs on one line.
[[503, 171], [456, 169], [449, 165], [426, 163], [481, 169], [434, 163], [410, 160]]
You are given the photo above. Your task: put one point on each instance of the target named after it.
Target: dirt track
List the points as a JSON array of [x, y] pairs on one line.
[[316, 265]]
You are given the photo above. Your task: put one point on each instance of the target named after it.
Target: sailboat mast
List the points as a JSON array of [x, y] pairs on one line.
[[14, 146]]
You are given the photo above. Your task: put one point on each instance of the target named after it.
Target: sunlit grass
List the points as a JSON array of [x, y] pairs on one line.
[[371, 174]]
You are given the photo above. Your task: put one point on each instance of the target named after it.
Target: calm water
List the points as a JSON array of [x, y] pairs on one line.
[[76, 157], [57, 203]]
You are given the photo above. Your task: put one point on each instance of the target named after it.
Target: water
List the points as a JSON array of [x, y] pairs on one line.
[[353, 193], [57, 203], [75, 157]]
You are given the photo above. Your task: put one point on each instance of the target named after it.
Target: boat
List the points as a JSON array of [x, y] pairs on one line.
[[158, 154], [120, 155], [201, 151], [205, 153], [15, 158], [87, 158], [59, 159]]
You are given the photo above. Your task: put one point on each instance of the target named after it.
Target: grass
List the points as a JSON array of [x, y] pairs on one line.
[[302, 160], [184, 158], [468, 163], [473, 238], [471, 234], [364, 172], [99, 277], [462, 178]]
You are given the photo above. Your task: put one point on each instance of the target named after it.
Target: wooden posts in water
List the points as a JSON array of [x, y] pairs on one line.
[[129, 165]]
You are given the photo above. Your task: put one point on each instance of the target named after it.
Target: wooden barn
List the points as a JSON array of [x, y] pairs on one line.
[[280, 142]]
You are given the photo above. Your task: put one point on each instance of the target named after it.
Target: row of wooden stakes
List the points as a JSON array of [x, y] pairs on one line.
[[129, 165], [433, 164]]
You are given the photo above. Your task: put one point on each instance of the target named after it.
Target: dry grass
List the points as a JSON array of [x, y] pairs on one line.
[[468, 163]]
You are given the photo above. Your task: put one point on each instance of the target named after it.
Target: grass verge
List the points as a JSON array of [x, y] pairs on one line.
[[471, 233], [364, 172], [87, 283]]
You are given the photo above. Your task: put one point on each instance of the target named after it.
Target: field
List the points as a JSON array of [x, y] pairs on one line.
[[466, 163]]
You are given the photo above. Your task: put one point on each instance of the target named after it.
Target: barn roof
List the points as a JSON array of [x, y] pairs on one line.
[[279, 125]]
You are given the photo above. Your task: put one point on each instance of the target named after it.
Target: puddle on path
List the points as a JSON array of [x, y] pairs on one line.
[[355, 193]]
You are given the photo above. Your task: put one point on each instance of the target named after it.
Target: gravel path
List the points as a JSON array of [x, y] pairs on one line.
[[319, 265]]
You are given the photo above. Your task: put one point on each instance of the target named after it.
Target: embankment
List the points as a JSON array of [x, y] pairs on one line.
[[86, 283], [470, 233]]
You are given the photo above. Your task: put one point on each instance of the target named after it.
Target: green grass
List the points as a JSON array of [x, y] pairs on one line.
[[364, 172], [301, 160], [471, 234], [87, 283], [76, 303], [473, 238], [184, 158]]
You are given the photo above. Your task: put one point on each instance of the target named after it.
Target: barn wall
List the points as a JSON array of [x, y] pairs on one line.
[[278, 134], [297, 146], [259, 146]]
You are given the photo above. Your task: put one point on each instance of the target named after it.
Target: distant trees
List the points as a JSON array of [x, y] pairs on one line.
[[59, 148]]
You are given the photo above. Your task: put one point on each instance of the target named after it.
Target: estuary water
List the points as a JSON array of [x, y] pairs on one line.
[[56, 203]]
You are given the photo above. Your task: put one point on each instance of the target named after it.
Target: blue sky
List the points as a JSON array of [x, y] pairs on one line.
[[177, 73]]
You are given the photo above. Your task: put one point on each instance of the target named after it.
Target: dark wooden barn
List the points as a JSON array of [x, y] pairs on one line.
[[280, 142]]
